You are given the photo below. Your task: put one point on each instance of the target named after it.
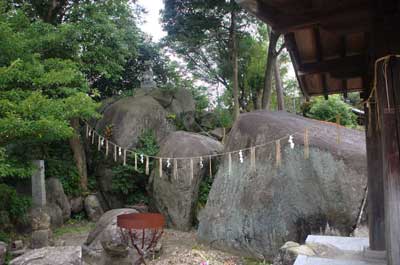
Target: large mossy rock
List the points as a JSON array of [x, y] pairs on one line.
[[176, 198], [254, 213], [129, 117]]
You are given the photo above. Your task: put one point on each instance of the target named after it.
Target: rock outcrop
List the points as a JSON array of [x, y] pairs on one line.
[[71, 255], [254, 212], [176, 198], [55, 195]]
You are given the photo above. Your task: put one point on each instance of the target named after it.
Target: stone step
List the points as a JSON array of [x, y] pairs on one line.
[[342, 243], [306, 260]]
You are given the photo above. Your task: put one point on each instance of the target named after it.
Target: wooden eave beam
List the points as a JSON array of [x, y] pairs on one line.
[[353, 18], [343, 49], [291, 46], [319, 56], [354, 65]]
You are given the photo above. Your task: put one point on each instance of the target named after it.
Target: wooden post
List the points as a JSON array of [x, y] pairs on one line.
[[384, 41], [388, 89], [376, 212]]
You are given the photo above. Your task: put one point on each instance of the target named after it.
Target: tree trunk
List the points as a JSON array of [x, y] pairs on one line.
[[235, 66], [79, 153], [259, 99], [271, 58], [279, 87]]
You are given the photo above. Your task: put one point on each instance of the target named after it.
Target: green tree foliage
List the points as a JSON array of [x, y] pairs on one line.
[[128, 182], [329, 110]]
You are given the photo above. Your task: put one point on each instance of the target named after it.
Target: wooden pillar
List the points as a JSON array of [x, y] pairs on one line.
[[376, 212], [385, 40], [388, 89]]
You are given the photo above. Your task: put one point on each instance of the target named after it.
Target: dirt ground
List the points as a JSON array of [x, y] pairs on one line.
[[178, 248]]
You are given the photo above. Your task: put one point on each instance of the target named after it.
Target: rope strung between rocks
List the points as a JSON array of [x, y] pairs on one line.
[[144, 160]]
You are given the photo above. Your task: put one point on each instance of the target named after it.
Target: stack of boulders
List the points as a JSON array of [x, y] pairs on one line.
[[41, 232]]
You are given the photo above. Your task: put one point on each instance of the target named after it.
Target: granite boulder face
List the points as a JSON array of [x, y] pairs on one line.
[[254, 212], [128, 118], [176, 198], [55, 195]]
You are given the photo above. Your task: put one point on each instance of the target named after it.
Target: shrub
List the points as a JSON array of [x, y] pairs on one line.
[[60, 164], [329, 110], [16, 205], [130, 183]]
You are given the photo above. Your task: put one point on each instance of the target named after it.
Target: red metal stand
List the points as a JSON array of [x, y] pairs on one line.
[[141, 231]]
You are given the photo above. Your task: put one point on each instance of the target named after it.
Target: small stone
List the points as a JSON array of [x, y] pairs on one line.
[[40, 220], [40, 238], [93, 208], [76, 204], [17, 245]]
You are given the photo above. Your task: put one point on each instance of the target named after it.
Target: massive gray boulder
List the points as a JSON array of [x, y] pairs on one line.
[[129, 118], [254, 212], [176, 198], [177, 101], [71, 255]]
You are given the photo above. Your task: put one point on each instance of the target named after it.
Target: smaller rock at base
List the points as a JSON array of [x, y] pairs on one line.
[[17, 245], [3, 252], [40, 220], [76, 204], [93, 208], [40, 238]]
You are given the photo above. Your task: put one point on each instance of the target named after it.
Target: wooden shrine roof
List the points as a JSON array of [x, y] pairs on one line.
[[325, 38]]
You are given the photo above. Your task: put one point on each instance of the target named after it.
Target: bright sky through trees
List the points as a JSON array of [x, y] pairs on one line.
[[152, 25]]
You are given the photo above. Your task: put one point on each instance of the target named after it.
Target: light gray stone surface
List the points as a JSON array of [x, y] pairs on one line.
[[38, 185], [342, 243], [71, 255], [255, 213], [305, 260]]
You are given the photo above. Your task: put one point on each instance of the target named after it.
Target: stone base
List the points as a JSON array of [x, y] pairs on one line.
[[40, 238], [374, 255], [354, 252]]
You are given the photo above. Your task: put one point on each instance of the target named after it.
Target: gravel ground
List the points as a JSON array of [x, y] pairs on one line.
[[178, 248], [181, 248]]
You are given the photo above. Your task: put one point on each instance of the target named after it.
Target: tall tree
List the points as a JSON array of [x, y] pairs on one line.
[[270, 66], [206, 33]]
